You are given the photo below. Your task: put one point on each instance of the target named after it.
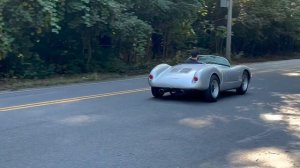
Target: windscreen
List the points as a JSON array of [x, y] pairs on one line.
[[210, 59]]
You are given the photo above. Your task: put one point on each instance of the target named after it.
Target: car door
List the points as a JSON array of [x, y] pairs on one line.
[[234, 77], [230, 77], [227, 77]]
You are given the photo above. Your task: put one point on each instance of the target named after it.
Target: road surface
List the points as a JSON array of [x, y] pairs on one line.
[[117, 124]]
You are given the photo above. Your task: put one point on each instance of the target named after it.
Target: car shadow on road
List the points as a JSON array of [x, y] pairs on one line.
[[197, 97]]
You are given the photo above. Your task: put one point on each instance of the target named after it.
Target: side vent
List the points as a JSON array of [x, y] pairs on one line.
[[175, 70], [185, 70]]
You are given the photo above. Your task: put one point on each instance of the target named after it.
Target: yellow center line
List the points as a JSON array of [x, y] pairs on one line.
[[70, 100], [275, 70]]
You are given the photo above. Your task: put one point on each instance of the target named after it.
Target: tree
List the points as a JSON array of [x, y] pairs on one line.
[[44, 37]]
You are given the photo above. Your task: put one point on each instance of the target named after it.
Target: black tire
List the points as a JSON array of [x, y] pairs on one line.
[[211, 94], [245, 83], [172, 93], [157, 92]]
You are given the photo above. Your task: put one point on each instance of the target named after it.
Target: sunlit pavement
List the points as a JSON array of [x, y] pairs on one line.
[[119, 124]]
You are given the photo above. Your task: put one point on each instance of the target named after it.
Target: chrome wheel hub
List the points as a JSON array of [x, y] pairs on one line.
[[215, 89], [245, 83]]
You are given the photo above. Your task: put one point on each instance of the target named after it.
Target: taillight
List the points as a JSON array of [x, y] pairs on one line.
[[150, 77], [195, 79]]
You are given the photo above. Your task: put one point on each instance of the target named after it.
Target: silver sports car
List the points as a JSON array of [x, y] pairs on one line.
[[212, 74]]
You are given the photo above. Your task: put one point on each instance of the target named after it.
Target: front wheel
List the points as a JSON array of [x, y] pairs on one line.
[[213, 91], [157, 92], [245, 83]]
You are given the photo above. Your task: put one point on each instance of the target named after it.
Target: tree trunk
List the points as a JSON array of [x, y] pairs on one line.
[[149, 47], [165, 45], [222, 46], [87, 48]]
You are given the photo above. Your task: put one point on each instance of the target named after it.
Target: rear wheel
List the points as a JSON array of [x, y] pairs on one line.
[[157, 92], [245, 83], [213, 91]]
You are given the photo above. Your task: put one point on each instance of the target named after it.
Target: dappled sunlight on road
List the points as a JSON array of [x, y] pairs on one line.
[[242, 108], [292, 74], [196, 122], [78, 120], [287, 113], [201, 122], [265, 157], [269, 117]]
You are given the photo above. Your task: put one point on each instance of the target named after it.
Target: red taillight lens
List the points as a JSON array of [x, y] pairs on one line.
[[195, 78], [150, 77]]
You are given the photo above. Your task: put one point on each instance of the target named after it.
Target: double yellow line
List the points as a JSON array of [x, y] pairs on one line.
[[70, 100]]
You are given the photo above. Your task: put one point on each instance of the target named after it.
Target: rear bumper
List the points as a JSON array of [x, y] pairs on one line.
[[178, 85]]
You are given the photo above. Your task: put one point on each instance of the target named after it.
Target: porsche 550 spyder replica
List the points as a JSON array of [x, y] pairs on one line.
[[211, 75]]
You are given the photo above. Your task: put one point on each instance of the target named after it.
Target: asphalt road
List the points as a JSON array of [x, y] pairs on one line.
[[117, 124]]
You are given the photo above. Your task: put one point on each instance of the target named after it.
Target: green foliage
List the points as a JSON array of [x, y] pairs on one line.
[[134, 35], [39, 38], [266, 26]]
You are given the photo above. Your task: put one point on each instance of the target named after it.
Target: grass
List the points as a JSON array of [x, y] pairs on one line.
[[16, 84]]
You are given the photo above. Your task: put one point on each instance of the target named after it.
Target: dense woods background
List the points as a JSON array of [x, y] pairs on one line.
[[40, 38]]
